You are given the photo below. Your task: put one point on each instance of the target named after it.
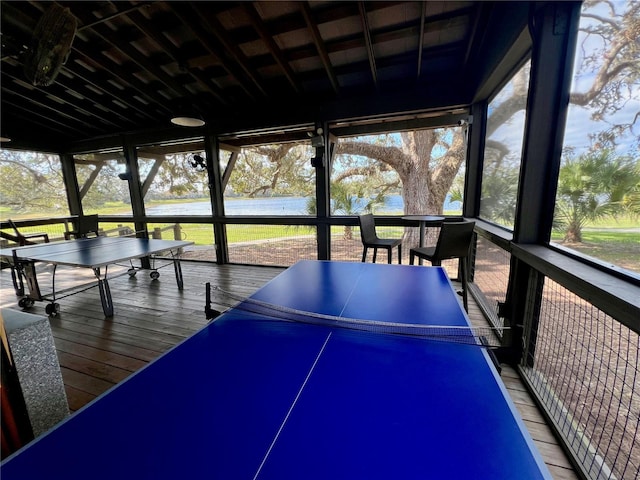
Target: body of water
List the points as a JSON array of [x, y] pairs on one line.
[[272, 206]]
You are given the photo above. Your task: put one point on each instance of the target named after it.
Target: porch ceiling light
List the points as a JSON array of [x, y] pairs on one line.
[[188, 121]]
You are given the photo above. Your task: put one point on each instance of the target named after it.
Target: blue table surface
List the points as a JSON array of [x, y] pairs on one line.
[[250, 397]]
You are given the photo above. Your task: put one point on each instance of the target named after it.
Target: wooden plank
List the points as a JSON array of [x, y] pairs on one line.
[[563, 473], [540, 431], [546, 442], [92, 368], [77, 398], [513, 383], [121, 323], [80, 339], [109, 358], [84, 382], [153, 342], [553, 455], [522, 397], [529, 412], [150, 326]]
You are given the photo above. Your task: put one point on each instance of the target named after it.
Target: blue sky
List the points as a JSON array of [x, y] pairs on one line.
[[579, 123]]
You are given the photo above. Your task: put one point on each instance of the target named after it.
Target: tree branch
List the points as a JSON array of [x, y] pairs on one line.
[[37, 176], [450, 163], [392, 156], [352, 172], [601, 19]]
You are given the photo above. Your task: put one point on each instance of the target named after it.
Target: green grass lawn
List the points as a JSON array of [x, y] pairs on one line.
[[203, 234], [611, 246], [604, 239]]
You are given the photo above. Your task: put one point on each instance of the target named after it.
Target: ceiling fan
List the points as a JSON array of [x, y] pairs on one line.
[[50, 45], [198, 163]]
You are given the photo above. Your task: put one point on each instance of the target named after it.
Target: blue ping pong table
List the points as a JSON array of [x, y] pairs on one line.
[[97, 253], [259, 397]]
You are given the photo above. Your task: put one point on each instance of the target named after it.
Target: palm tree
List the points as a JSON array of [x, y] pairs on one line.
[[593, 186], [344, 201]]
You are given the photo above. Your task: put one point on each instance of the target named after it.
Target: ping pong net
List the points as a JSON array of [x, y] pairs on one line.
[[481, 336]]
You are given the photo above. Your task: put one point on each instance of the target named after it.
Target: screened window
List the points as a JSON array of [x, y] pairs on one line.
[[174, 179], [503, 150], [269, 180], [399, 173], [361, 179], [31, 185], [598, 197], [102, 191]]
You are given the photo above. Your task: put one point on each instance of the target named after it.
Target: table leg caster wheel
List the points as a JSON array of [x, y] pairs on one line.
[[25, 303], [154, 275], [52, 309], [132, 272]]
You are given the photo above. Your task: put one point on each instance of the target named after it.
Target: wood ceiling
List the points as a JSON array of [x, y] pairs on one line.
[[249, 65]]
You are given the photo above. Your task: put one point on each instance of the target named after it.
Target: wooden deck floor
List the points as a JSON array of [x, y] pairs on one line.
[[152, 316]]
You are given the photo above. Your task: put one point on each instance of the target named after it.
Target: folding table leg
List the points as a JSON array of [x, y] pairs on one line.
[[16, 278], [178, 269], [28, 269], [105, 293]]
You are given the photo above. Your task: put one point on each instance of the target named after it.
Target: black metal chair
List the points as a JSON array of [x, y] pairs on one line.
[[370, 240], [25, 238], [85, 226], [454, 241], [20, 239]]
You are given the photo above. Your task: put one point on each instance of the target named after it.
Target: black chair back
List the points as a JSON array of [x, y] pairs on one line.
[[368, 229], [454, 240], [87, 224]]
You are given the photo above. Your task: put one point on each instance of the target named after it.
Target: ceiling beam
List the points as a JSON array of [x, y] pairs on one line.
[[109, 68], [447, 120], [230, 49], [112, 16], [127, 49], [367, 40], [275, 51], [476, 35], [54, 110], [61, 89], [146, 26], [192, 21], [421, 39], [93, 80], [87, 44], [19, 111], [312, 27]]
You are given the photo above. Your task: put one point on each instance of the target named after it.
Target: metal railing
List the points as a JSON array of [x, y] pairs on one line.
[[583, 366], [490, 279], [581, 349]]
